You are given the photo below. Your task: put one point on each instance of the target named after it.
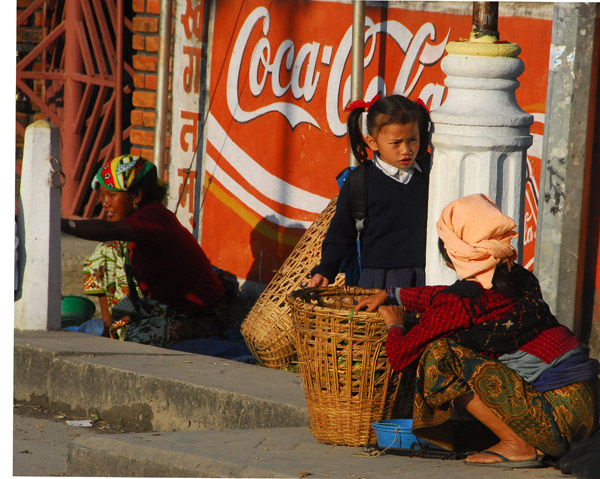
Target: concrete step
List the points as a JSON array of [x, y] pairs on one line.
[[261, 453], [153, 388], [209, 417]]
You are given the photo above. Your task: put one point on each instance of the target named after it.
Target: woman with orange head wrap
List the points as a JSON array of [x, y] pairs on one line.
[[477, 236], [489, 345]]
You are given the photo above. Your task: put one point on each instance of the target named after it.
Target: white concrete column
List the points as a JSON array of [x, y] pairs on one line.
[[38, 298], [480, 136]]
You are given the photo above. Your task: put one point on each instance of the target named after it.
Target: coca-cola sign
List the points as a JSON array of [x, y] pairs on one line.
[[305, 76], [269, 117]]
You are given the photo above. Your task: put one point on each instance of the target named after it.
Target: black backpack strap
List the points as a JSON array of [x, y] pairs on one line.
[[358, 196]]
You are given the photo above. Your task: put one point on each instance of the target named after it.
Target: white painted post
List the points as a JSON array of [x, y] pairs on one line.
[[38, 298], [480, 137]]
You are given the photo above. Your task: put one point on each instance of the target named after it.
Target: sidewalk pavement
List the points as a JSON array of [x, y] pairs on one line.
[[208, 417]]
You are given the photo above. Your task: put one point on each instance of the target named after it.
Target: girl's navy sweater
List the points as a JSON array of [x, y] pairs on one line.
[[395, 234]]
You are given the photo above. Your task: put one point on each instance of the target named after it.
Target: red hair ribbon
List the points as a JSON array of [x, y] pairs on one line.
[[422, 103], [362, 104]]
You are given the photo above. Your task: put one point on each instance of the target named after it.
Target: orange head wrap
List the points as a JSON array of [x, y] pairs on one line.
[[477, 236]]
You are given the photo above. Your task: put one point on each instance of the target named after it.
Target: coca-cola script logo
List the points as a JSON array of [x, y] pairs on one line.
[[305, 74]]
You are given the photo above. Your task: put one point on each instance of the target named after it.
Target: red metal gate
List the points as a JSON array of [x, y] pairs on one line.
[[79, 77]]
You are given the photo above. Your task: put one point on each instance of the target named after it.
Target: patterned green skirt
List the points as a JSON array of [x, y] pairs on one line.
[[548, 421]]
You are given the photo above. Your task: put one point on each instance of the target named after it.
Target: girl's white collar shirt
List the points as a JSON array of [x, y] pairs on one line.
[[402, 176]]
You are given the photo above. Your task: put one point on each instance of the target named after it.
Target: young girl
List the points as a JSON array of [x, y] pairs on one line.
[[392, 244]]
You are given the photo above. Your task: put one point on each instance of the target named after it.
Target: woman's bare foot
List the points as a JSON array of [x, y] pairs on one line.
[[511, 447], [511, 450]]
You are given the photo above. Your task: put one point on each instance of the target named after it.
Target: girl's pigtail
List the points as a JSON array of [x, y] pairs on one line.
[[357, 142]]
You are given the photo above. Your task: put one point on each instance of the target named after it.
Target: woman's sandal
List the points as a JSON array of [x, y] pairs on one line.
[[507, 463]]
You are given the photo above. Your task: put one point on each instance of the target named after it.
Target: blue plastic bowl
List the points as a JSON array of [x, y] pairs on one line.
[[396, 434]]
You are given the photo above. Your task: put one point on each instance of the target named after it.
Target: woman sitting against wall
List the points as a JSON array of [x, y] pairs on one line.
[[154, 282]]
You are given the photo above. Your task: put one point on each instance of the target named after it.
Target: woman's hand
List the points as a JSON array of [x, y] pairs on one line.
[[392, 315], [317, 280], [371, 303]]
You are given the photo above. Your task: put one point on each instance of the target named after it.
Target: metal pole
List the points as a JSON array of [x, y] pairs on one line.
[[119, 82], [485, 19], [71, 138], [162, 85], [358, 58]]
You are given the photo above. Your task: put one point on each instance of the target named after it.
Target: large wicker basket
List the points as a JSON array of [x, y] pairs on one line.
[[267, 329], [347, 379]]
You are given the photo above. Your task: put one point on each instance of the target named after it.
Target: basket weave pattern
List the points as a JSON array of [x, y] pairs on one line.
[[267, 329], [347, 379]]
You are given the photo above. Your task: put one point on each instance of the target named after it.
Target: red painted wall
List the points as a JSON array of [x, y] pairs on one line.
[[236, 236]]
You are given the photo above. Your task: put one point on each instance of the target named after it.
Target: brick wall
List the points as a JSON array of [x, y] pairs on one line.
[[145, 44], [144, 47]]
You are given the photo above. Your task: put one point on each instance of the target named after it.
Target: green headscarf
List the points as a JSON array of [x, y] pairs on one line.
[[122, 173]]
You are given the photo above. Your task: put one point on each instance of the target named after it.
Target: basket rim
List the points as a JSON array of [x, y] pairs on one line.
[[298, 299]]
